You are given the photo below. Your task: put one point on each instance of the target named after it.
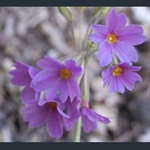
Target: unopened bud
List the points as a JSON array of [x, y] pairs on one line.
[[66, 13]]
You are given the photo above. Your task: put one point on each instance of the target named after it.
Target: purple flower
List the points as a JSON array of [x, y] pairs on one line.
[[22, 76], [117, 38], [72, 109], [120, 76], [89, 119], [57, 78], [38, 112]]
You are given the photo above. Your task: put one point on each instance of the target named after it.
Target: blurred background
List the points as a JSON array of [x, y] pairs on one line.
[[28, 33]]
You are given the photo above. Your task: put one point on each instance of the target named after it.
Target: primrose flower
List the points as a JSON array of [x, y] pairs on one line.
[[120, 76], [89, 118], [22, 76], [117, 38], [72, 109], [38, 112], [57, 78]]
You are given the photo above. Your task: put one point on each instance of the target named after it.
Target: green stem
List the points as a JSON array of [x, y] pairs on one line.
[[93, 20], [73, 35], [114, 59], [77, 131], [80, 29], [77, 127]]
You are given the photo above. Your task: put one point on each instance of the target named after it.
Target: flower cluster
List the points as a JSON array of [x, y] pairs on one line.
[[52, 96], [116, 40]]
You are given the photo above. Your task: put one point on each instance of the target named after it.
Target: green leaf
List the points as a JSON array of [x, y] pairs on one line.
[[66, 13]]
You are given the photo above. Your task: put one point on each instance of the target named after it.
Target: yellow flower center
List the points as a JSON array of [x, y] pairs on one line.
[[111, 38], [52, 104], [64, 73], [117, 71]]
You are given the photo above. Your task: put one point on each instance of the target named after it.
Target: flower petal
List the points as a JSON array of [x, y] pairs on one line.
[[35, 114], [132, 34], [32, 72], [69, 122], [62, 113], [129, 79], [116, 85], [20, 78], [100, 30], [100, 33], [125, 66], [50, 64], [21, 66], [72, 110], [73, 107], [103, 119], [115, 22], [27, 94], [95, 38], [69, 88], [104, 54], [73, 68], [89, 113], [55, 89], [42, 102], [87, 124], [43, 80], [125, 52], [54, 124], [106, 75]]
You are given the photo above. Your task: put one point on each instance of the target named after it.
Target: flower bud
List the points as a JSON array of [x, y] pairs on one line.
[[66, 13]]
